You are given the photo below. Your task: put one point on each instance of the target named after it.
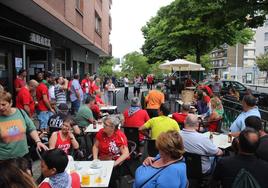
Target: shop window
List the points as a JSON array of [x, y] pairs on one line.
[[97, 23], [79, 5]]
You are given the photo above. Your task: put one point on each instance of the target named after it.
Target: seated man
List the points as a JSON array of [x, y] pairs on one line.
[[55, 121], [53, 166], [255, 123], [134, 116], [195, 142], [160, 124], [228, 168], [180, 117], [98, 99], [84, 117]]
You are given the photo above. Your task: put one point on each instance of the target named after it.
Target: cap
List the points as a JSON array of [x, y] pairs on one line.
[[63, 107]]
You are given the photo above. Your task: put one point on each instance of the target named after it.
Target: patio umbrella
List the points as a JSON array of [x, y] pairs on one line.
[[181, 65]]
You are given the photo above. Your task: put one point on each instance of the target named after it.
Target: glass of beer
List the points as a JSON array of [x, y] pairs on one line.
[[85, 179]]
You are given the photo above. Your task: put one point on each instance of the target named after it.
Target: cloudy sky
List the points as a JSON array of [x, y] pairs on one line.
[[128, 16]]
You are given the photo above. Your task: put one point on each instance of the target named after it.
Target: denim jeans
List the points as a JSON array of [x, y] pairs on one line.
[[75, 106], [43, 117]]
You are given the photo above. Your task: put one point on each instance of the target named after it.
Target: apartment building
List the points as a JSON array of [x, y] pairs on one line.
[[64, 36]]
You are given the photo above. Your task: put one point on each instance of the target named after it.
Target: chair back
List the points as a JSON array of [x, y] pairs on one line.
[[151, 148], [219, 125], [193, 165], [131, 147], [132, 133]]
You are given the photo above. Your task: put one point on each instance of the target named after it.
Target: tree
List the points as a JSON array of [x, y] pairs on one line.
[[193, 27], [262, 63], [106, 65], [135, 63], [205, 61]]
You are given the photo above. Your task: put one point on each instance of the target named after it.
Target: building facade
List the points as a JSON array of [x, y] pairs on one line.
[[63, 36], [239, 62]]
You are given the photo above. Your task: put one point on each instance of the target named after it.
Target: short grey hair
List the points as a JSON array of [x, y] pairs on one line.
[[135, 101], [114, 119], [191, 120], [186, 107]]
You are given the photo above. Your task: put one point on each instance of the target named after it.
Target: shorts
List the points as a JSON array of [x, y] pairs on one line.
[[43, 117]]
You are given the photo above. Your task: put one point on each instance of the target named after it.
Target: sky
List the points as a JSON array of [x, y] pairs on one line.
[[128, 17]]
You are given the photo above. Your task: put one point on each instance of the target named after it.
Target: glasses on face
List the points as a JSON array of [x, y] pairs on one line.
[[107, 125]]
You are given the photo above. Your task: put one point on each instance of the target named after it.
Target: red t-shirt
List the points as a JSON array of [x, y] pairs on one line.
[[189, 83], [96, 110], [40, 91], [19, 83], [93, 87], [110, 146], [206, 99], [98, 100], [75, 182], [137, 119], [64, 145], [179, 117], [24, 97], [85, 85], [150, 79]]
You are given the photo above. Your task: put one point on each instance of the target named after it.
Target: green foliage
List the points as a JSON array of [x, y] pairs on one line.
[[262, 63], [196, 27], [205, 61], [106, 67], [156, 71], [135, 63]]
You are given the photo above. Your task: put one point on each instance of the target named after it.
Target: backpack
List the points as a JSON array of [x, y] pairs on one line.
[[245, 180]]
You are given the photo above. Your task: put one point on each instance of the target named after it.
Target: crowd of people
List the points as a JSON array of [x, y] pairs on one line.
[[174, 133]]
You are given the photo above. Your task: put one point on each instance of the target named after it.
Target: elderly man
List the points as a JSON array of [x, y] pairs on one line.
[[24, 99], [198, 143], [249, 109], [160, 124], [228, 168], [154, 99], [84, 116]]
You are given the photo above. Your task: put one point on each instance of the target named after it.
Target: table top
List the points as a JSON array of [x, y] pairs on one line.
[[221, 140], [108, 107], [90, 129], [101, 174]]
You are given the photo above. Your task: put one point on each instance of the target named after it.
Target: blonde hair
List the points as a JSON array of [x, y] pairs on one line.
[[171, 144], [5, 96]]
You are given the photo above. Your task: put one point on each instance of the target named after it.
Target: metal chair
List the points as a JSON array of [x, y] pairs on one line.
[[132, 134]]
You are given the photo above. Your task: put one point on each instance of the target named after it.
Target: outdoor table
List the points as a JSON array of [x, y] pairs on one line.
[[115, 91], [190, 88], [109, 108], [220, 140], [98, 177]]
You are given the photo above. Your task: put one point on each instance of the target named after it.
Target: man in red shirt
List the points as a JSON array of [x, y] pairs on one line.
[[20, 80], [180, 117], [24, 99], [150, 81], [85, 85], [43, 106]]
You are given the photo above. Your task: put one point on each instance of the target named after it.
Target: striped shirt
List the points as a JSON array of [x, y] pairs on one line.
[[60, 94]]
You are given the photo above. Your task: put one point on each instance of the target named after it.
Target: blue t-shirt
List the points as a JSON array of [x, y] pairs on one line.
[[173, 176], [239, 124]]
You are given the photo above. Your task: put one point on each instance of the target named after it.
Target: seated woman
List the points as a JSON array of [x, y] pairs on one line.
[[215, 114], [134, 116], [53, 166], [111, 144], [98, 99], [64, 138], [161, 170], [202, 102]]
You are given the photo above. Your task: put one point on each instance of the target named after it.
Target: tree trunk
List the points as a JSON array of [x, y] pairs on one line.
[[198, 55]]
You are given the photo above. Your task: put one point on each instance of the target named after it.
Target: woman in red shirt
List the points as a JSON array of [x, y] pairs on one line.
[[134, 116], [111, 143], [64, 138]]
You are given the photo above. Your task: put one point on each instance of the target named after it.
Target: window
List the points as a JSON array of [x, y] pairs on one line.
[[266, 36], [79, 5], [265, 49], [245, 52], [97, 23]]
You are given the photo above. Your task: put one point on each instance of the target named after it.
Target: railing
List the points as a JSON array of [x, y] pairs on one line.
[[233, 109]]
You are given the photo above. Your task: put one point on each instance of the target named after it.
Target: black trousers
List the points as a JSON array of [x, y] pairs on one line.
[[126, 93]]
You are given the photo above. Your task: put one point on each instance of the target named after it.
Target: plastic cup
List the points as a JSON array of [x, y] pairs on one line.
[[85, 179]]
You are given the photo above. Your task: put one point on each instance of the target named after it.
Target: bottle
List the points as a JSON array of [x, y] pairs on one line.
[[94, 124], [229, 137], [211, 136]]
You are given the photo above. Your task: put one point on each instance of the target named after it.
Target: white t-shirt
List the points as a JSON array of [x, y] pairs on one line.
[[126, 81], [51, 92]]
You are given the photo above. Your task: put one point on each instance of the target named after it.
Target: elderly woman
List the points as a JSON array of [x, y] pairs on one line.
[[161, 170], [14, 124], [111, 143], [134, 116]]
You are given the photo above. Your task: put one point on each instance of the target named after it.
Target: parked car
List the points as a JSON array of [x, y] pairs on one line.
[[119, 83], [243, 90]]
